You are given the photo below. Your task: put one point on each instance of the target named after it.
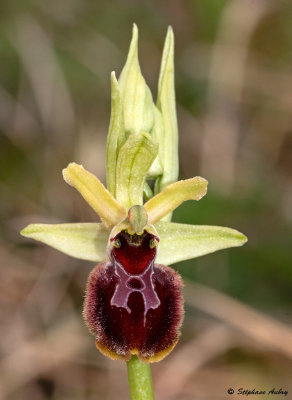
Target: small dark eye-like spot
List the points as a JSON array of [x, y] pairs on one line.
[[152, 243], [135, 283], [117, 243]]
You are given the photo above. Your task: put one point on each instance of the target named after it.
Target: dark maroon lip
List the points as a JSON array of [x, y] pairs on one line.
[[120, 330], [133, 305]]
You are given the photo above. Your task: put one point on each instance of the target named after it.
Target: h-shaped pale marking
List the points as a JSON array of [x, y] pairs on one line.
[[123, 289]]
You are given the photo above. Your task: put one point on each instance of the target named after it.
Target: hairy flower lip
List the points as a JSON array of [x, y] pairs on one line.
[[119, 333]]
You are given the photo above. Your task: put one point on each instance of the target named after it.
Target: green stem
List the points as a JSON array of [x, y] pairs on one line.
[[140, 380]]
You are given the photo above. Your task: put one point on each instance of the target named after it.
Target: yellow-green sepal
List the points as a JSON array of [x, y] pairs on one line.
[[86, 241], [180, 242], [134, 160]]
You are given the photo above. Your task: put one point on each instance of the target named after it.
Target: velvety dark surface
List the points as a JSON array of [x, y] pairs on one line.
[[121, 331]]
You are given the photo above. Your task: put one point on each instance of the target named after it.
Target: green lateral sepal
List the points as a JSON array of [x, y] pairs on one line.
[[86, 241], [180, 242]]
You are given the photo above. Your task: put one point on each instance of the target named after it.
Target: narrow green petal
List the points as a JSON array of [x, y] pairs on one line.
[[136, 96], [85, 241], [180, 242], [173, 195], [135, 159], [166, 104], [96, 195], [116, 135]]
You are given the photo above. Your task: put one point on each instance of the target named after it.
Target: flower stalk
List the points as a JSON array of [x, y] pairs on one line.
[[140, 380]]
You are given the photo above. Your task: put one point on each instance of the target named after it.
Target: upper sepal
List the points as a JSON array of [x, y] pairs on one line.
[[134, 160]]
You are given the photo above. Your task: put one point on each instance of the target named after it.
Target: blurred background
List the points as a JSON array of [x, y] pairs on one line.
[[234, 102]]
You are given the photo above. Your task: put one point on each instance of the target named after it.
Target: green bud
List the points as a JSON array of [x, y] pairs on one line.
[[133, 112], [116, 135], [166, 105], [136, 96]]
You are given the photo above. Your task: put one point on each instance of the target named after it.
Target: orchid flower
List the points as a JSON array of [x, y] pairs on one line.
[[133, 303]]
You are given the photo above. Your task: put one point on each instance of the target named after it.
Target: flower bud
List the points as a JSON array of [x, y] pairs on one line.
[[136, 95], [133, 112]]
